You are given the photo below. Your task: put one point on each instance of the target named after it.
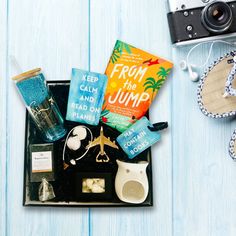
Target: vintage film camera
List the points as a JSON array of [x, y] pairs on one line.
[[201, 20]]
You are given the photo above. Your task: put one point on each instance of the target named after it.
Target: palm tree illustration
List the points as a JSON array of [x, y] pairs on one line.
[[155, 85], [162, 73], [151, 83], [118, 50]]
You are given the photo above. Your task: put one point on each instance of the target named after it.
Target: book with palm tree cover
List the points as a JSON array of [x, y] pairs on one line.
[[134, 79]]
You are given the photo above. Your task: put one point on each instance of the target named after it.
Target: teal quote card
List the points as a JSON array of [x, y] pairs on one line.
[[86, 96], [138, 138]]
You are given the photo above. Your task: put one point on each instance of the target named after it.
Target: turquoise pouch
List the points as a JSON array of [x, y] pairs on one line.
[[140, 136]]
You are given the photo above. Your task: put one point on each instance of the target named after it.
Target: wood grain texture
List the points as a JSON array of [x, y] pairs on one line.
[[52, 35], [135, 22], [194, 178], [203, 174], [214, 89], [3, 98]]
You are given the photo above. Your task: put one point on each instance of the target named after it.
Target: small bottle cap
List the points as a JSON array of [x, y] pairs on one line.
[[26, 74]]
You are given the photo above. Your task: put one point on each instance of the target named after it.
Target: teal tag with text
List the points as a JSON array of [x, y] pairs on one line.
[[140, 136]]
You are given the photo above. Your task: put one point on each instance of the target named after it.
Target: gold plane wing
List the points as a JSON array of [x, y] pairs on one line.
[[95, 142], [108, 142]]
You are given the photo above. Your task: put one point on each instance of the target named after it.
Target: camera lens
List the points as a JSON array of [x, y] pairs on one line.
[[217, 17]]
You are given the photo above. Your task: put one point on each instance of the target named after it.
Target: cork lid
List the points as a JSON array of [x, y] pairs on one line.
[[27, 74]]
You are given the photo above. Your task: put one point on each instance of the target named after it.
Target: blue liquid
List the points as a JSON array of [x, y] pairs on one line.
[[33, 89], [53, 134], [42, 107]]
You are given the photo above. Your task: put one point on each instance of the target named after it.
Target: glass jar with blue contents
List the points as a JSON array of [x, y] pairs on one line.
[[41, 104]]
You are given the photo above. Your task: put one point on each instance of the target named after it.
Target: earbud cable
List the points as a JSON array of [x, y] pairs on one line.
[[209, 52], [64, 148]]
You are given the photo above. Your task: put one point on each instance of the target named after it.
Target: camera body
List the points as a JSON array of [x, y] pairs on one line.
[[201, 20]]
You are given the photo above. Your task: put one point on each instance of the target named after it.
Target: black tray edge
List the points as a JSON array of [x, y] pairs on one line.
[[29, 203]]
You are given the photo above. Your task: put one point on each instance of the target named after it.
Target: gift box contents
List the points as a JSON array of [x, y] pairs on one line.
[[88, 140], [88, 181]]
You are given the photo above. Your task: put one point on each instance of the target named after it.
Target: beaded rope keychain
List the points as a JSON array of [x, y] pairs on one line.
[[224, 102]]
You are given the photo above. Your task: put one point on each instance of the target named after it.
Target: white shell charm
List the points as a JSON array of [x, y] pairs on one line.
[[93, 185]]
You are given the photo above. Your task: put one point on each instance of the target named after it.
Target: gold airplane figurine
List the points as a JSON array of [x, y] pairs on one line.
[[102, 140]]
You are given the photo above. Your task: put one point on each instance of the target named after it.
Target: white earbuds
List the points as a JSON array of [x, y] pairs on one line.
[[185, 65], [80, 132], [74, 142], [194, 76]]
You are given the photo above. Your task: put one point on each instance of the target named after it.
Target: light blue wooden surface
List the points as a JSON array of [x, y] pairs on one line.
[[3, 93], [194, 179]]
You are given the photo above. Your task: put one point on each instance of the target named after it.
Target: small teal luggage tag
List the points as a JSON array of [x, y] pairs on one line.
[[86, 96], [140, 136]]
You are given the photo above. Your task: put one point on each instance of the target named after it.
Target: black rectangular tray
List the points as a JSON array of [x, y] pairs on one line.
[[65, 185]]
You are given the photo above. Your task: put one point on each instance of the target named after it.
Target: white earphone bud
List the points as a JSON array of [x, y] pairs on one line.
[[81, 132], [193, 75], [74, 142], [185, 65]]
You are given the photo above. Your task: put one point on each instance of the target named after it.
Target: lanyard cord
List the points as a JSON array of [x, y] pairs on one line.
[[158, 126]]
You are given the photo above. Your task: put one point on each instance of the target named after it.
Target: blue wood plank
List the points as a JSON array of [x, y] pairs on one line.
[[52, 35], [203, 174], [144, 25], [57, 35], [3, 130]]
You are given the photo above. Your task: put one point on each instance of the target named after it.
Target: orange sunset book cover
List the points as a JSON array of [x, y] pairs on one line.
[[134, 79]]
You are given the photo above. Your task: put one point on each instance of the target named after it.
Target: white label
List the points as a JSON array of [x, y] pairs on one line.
[[41, 161]]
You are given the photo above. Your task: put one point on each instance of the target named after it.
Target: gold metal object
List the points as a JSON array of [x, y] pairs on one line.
[[65, 166], [102, 141]]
